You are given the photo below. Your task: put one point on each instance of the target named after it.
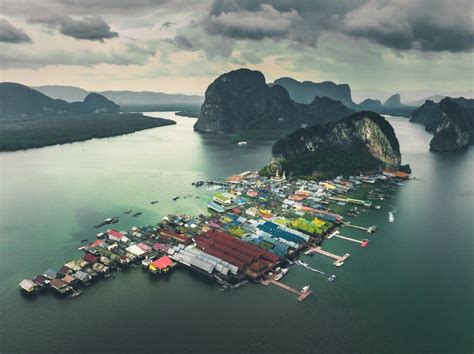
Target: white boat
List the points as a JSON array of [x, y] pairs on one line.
[[284, 271], [241, 143], [301, 263], [305, 289], [76, 293], [279, 276], [391, 217]]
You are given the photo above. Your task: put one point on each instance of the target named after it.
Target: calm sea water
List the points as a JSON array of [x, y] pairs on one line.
[[410, 290]]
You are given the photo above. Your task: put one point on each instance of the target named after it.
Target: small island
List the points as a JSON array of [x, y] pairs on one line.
[[360, 143]]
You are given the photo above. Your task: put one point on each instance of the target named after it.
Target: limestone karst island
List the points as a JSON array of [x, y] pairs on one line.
[[224, 176]]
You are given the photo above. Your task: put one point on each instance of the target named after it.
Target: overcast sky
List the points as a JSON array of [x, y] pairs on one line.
[[379, 47]]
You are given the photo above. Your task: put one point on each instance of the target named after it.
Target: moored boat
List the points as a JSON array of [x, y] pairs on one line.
[[391, 217]]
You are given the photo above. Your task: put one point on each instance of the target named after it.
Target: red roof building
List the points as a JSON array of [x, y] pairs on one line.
[[162, 264], [90, 258], [115, 234], [250, 258]]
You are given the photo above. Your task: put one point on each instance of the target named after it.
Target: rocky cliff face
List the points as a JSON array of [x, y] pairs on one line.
[[241, 100], [451, 120], [362, 142], [19, 101], [306, 91], [454, 130], [428, 114]]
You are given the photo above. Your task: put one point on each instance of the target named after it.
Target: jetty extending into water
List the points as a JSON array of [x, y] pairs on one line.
[[338, 260], [363, 243], [302, 295], [369, 230]]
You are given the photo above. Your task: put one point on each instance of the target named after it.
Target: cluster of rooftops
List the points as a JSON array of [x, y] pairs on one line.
[[255, 224]]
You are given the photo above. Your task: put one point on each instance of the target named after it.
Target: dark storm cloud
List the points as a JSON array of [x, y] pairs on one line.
[[88, 28], [425, 25], [264, 22], [12, 34], [79, 7], [183, 42], [299, 21]]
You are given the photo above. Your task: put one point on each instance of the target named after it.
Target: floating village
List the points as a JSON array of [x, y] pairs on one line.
[[256, 230]]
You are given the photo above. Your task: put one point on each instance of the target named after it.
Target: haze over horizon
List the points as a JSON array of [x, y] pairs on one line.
[[417, 48]]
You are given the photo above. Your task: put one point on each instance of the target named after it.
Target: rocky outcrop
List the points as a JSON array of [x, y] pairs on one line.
[[450, 135], [20, 102], [393, 101], [95, 103], [428, 114], [451, 121], [454, 129], [363, 142], [306, 91], [241, 100]]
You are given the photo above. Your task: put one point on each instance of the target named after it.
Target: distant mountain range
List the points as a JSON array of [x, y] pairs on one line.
[[122, 98], [304, 92], [19, 101]]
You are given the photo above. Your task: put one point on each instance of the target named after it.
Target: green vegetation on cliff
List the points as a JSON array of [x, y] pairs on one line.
[[363, 142]]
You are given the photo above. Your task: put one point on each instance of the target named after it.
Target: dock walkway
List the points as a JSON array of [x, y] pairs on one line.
[[369, 230], [301, 295], [338, 260], [363, 243]]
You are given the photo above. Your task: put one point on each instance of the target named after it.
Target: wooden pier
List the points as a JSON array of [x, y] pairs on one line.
[[363, 243], [338, 260], [301, 295], [369, 230]]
